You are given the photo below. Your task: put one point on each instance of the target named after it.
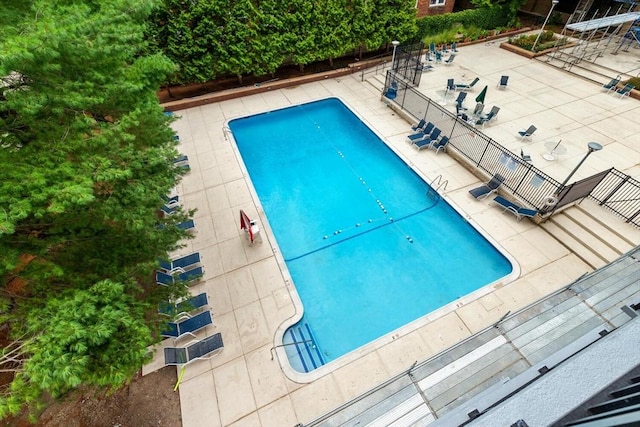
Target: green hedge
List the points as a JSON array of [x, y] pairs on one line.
[[484, 18]]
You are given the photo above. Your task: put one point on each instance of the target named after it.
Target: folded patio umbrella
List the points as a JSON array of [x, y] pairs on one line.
[[481, 95]]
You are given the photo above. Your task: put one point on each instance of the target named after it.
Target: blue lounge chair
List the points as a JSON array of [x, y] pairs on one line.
[[484, 119], [450, 59], [502, 84], [182, 161], [625, 91], [188, 326], [185, 306], [420, 125], [178, 275], [488, 188], [465, 86], [428, 140], [527, 133], [425, 132], [518, 211], [612, 84], [202, 349], [185, 263], [392, 91], [440, 144], [188, 225], [169, 210], [171, 201], [454, 47]]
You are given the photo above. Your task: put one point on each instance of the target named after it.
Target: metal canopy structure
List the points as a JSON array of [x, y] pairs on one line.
[[605, 22]]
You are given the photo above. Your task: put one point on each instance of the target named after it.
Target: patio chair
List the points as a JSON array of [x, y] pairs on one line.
[[425, 132], [451, 87], [169, 210], [612, 84], [486, 118], [460, 100], [188, 225], [477, 111], [179, 275], [465, 87], [420, 125], [171, 201], [527, 133], [427, 67], [392, 91], [454, 47], [185, 263], [525, 157], [182, 161], [625, 91], [502, 84], [441, 144], [488, 188], [427, 140], [188, 326], [519, 211], [438, 56], [450, 59], [195, 350], [184, 306]]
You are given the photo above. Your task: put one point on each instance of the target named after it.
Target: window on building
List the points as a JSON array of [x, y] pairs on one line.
[[436, 3]]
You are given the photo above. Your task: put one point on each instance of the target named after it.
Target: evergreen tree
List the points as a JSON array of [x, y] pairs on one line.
[[86, 156]]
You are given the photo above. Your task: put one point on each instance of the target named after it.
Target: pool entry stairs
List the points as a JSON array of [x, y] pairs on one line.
[[459, 384], [302, 350], [595, 235]]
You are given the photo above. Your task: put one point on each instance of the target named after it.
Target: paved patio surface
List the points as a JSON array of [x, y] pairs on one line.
[[251, 296]]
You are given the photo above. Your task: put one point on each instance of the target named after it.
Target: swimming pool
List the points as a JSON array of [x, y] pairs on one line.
[[369, 246]]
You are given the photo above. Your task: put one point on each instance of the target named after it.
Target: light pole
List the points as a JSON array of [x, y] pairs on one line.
[[553, 4], [593, 146], [395, 44]]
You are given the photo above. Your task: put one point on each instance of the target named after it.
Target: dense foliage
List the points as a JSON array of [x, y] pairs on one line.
[[86, 154], [484, 18], [547, 40], [208, 39]]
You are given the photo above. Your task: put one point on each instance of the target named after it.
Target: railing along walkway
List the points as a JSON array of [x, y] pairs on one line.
[[469, 378]]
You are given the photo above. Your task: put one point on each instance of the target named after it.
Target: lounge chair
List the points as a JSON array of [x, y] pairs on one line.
[[428, 140], [491, 116], [438, 56], [202, 349], [185, 263], [518, 211], [185, 306], [625, 91], [454, 47], [450, 59], [488, 188], [427, 67], [420, 125], [477, 111], [188, 326], [612, 84], [425, 132], [502, 84], [451, 87], [182, 161], [392, 91], [460, 100], [169, 210], [171, 201], [440, 144], [527, 133], [178, 275], [464, 86], [525, 157], [188, 225]]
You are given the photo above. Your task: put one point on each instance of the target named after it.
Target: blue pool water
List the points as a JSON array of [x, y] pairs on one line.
[[368, 246]]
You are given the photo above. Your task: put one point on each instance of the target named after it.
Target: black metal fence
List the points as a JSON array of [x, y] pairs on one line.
[[523, 179], [407, 63], [620, 193], [612, 189]]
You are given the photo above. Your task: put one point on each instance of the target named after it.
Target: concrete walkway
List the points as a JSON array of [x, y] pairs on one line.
[[250, 294]]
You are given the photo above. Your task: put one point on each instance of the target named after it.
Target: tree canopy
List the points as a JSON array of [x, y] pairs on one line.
[[86, 155]]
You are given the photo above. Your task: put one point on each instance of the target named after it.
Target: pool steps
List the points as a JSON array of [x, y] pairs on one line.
[[302, 349], [466, 379]]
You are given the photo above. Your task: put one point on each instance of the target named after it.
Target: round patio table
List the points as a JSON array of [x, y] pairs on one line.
[[554, 149]]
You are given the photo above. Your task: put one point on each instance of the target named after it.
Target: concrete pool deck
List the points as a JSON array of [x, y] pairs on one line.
[[250, 296]]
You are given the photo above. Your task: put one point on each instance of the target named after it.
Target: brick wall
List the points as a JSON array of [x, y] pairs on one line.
[[423, 8]]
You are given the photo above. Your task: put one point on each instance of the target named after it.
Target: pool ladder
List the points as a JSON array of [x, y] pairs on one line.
[[440, 183], [307, 353]]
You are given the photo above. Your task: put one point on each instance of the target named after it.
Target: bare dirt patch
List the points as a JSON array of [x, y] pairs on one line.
[[148, 401]]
